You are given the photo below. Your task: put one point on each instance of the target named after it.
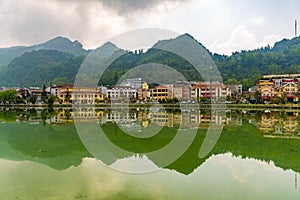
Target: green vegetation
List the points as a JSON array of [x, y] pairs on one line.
[[8, 96], [59, 43], [130, 60], [248, 66], [245, 67], [42, 141], [60, 66], [42, 67]]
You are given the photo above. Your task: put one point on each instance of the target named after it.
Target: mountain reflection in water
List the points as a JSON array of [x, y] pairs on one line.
[[42, 155], [50, 137]]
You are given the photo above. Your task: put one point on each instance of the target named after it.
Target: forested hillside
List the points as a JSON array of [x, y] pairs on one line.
[[248, 66], [60, 66], [42, 67]]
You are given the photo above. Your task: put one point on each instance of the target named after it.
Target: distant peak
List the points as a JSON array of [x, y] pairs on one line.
[[184, 38], [106, 49], [110, 44], [64, 39], [59, 38], [62, 44], [187, 35]]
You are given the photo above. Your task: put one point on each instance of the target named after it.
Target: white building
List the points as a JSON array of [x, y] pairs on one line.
[[135, 82], [120, 91]]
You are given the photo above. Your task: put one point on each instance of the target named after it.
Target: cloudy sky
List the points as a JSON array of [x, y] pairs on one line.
[[223, 26]]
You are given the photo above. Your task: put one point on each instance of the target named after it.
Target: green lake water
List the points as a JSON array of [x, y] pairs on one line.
[[149, 154]]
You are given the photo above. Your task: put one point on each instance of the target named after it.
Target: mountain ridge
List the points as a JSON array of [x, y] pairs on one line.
[[7, 54], [245, 67]]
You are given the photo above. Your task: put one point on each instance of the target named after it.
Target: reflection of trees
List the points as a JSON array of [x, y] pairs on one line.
[[60, 147]]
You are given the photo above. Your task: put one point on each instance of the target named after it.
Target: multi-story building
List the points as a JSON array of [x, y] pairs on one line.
[[36, 92], [77, 95], [182, 90], [144, 92], [122, 92], [211, 90], [136, 83], [267, 89], [284, 86], [162, 92], [290, 89], [235, 89]]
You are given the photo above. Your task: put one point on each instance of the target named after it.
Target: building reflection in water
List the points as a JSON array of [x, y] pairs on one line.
[[270, 123], [187, 119], [279, 124]]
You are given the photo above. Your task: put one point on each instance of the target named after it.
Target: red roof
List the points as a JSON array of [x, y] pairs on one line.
[[206, 95], [36, 91], [290, 95], [161, 87], [290, 80]]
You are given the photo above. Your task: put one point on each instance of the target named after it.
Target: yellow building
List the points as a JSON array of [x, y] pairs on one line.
[[214, 90], [266, 88], [162, 92], [282, 86], [290, 90], [143, 92], [79, 95]]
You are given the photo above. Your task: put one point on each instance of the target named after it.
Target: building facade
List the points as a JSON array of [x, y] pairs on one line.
[[121, 92], [162, 92], [77, 95], [285, 86], [209, 90]]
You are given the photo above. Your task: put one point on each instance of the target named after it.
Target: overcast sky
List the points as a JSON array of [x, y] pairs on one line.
[[223, 26]]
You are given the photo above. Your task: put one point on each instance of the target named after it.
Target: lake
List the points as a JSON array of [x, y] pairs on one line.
[[149, 154]]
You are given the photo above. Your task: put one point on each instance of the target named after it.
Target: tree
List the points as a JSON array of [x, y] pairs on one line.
[[51, 100], [68, 96], [232, 81], [44, 94], [8, 96], [33, 99]]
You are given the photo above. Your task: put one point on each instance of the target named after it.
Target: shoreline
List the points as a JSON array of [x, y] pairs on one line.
[[179, 106]]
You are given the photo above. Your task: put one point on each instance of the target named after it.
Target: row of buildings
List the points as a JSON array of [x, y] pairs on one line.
[[181, 90], [135, 89], [285, 86]]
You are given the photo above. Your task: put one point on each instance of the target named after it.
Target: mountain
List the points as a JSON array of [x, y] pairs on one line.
[[163, 53], [40, 67], [58, 43], [245, 67], [248, 66]]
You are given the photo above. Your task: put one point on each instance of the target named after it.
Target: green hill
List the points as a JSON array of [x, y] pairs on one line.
[[248, 66], [40, 67], [245, 67], [58, 43]]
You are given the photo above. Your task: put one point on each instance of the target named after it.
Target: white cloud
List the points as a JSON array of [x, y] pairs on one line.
[[242, 39], [92, 22], [269, 40], [258, 20]]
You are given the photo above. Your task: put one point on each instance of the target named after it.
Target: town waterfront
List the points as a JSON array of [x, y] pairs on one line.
[[43, 156]]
